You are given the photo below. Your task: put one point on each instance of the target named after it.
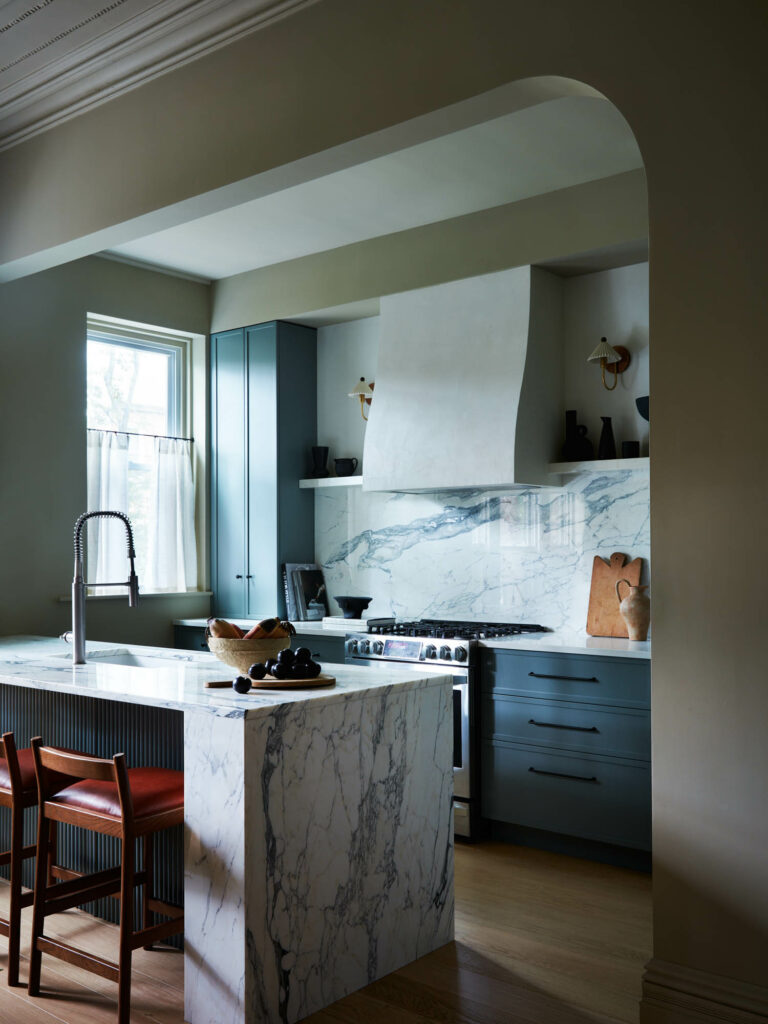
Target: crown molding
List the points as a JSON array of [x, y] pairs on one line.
[[673, 994], [160, 39], [155, 268]]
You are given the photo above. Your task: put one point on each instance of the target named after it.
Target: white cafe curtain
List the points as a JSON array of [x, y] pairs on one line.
[[149, 478]]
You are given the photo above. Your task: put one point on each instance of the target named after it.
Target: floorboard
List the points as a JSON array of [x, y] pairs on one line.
[[540, 939]]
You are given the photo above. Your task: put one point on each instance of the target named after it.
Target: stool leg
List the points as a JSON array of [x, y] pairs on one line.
[[149, 886], [126, 932], [38, 919], [14, 917], [53, 850]]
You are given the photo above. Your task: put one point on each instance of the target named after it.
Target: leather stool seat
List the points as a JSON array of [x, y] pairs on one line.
[[153, 791], [26, 770]]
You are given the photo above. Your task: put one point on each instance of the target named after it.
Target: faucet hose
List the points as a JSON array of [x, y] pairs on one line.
[[81, 521]]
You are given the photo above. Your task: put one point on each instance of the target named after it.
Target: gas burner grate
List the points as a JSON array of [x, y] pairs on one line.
[[446, 629]]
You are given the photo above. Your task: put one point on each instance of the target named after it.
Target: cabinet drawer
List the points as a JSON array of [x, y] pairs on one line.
[[567, 676], [615, 731], [579, 795], [324, 648], [190, 638]]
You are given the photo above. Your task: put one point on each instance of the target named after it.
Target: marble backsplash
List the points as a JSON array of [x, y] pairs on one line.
[[516, 555]]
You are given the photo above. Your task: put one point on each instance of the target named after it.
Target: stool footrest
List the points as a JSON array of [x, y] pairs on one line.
[[167, 909], [157, 932], [27, 851], [88, 961]]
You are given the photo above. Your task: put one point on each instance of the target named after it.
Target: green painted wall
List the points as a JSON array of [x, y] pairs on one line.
[[42, 439]]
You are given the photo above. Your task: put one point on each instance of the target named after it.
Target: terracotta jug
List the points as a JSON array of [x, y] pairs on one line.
[[635, 610]]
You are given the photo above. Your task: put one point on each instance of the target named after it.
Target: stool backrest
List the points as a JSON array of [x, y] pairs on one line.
[[56, 769], [8, 752]]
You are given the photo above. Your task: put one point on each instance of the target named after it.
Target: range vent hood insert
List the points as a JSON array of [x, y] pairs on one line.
[[468, 385]]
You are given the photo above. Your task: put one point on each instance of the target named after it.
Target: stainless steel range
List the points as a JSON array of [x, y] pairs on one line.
[[449, 648]]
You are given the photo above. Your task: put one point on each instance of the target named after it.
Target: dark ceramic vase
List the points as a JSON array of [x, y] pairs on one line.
[[319, 461], [577, 447], [607, 447]]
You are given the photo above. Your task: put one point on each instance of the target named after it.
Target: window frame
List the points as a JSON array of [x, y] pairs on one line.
[[192, 386], [178, 378]]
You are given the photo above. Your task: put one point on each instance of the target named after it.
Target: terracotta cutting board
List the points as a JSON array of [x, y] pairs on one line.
[[603, 617]]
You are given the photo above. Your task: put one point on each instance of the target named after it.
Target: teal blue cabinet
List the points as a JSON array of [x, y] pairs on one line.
[[263, 423], [566, 745]]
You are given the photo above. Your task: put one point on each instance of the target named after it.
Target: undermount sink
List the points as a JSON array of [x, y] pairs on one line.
[[129, 659], [136, 660]]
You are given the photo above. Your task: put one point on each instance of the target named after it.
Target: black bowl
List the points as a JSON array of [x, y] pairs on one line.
[[353, 607], [643, 406]]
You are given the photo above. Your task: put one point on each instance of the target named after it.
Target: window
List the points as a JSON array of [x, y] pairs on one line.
[[139, 462]]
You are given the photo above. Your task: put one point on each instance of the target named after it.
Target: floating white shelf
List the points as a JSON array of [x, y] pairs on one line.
[[600, 465], [332, 481]]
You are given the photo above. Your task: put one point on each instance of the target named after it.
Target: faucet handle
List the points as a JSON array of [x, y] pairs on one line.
[[66, 636]]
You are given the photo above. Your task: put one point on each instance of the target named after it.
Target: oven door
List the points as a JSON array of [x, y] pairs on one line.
[[462, 788]]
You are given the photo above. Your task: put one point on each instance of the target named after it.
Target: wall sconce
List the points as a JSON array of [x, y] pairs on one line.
[[364, 391], [617, 357]]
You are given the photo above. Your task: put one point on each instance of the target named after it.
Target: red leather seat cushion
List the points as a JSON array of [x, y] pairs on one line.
[[154, 791], [26, 768]]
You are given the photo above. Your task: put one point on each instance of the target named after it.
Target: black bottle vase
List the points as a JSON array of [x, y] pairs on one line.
[[607, 447], [319, 461]]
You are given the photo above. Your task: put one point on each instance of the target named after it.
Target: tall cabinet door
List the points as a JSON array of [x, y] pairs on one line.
[[263, 423], [229, 467], [282, 425], [263, 467]]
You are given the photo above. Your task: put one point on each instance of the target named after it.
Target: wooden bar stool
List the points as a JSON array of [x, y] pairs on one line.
[[18, 790], [103, 795]]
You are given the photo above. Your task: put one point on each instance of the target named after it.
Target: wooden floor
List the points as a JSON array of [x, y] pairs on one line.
[[540, 939]]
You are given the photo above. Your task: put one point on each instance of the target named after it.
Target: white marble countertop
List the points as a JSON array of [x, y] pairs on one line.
[[573, 643], [311, 628], [559, 642], [45, 663]]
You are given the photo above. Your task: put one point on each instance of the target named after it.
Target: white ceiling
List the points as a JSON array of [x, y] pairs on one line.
[[548, 146]]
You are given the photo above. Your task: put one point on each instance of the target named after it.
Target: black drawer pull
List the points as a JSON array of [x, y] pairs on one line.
[[570, 679], [562, 775], [238, 576], [555, 725]]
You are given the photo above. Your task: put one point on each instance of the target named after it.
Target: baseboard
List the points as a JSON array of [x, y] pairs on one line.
[[571, 846], [673, 994]]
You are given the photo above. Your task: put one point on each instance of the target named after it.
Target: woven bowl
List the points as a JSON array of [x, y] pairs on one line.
[[241, 654]]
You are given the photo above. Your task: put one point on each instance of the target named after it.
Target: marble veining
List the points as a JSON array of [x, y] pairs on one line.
[[351, 877], [521, 555]]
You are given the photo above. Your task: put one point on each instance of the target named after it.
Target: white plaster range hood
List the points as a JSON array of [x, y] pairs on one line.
[[468, 385]]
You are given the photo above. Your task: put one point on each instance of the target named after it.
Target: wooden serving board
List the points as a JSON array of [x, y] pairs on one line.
[[603, 617], [269, 683]]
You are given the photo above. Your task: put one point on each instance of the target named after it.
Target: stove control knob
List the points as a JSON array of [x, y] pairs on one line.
[[351, 646], [460, 654], [431, 651], [364, 646], [378, 647], [445, 652]]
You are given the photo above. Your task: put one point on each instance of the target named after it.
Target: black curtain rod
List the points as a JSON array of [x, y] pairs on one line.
[[132, 433]]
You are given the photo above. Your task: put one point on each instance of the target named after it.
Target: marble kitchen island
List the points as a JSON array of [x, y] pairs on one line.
[[318, 848]]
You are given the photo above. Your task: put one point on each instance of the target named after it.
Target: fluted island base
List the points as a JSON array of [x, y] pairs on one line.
[[319, 849]]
